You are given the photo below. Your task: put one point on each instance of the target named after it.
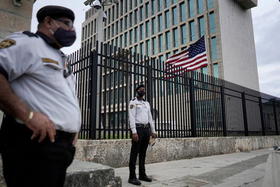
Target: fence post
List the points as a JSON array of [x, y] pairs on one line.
[[93, 91], [223, 111], [149, 83], [245, 114], [192, 106], [275, 117], [261, 112]]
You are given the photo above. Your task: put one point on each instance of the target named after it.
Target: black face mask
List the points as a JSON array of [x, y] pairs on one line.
[[64, 37], [141, 93]]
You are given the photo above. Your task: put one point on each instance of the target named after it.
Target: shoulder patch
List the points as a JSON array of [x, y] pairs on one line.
[[30, 34], [48, 60], [131, 106], [7, 43]]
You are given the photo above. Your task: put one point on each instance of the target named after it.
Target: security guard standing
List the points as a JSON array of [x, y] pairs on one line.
[[42, 114], [142, 127]]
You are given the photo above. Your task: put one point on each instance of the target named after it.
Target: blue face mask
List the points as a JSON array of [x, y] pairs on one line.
[[64, 37]]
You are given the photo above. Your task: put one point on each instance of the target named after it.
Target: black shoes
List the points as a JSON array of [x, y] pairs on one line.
[[145, 178], [134, 181]]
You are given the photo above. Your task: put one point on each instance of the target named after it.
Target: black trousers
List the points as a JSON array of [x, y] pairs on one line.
[[140, 148], [29, 163]]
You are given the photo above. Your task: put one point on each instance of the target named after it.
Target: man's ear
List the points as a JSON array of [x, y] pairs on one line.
[[48, 22]]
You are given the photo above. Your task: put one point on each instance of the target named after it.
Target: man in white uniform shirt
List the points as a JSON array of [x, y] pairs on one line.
[[42, 114], [142, 127]]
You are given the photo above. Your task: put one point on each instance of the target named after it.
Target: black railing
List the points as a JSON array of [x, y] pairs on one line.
[[189, 105]]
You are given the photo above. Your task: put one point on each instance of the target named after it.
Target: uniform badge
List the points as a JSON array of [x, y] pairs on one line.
[[131, 106], [7, 43]]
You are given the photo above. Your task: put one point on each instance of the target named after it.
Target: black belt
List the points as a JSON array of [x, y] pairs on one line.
[[141, 125]]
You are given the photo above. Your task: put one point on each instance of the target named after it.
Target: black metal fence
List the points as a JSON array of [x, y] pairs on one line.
[[189, 105]]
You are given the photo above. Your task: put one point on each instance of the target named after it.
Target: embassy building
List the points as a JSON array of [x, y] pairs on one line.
[[161, 28]]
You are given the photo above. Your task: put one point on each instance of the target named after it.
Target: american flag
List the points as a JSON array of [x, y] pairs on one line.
[[193, 58]]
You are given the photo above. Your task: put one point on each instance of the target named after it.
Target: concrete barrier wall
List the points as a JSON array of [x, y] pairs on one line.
[[115, 153]]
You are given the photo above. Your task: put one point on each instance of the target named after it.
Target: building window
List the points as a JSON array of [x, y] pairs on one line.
[[167, 19], [125, 22], [148, 48], [184, 34], [175, 38], [153, 8], [125, 39], [213, 46], [130, 4], [141, 13], [210, 4], [135, 34], [154, 26], [167, 3], [135, 49], [183, 14], [117, 27], [135, 16], [154, 46], [147, 10], [147, 28], [121, 41], [204, 70], [121, 24], [167, 40], [174, 16], [160, 7], [142, 49], [201, 25], [191, 8], [141, 32], [200, 7], [192, 30], [160, 43], [130, 20], [160, 22], [212, 22], [216, 70], [130, 36], [125, 5]]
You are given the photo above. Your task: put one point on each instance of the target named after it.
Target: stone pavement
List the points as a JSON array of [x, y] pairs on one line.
[[243, 169]]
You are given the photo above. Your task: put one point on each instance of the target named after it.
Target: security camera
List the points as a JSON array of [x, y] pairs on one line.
[[88, 2], [96, 4]]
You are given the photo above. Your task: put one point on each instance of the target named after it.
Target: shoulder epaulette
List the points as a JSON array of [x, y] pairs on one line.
[[133, 99], [30, 34]]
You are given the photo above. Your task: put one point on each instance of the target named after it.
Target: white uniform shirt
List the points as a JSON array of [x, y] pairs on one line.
[[140, 112], [35, 72]]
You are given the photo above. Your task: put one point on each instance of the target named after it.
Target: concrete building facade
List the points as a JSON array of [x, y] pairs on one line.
[[15, 15], [161, 28]]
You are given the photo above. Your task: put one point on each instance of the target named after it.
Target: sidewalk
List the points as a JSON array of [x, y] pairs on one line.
[[246, 169]]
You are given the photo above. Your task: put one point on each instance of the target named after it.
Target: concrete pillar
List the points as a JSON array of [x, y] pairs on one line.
[[15, 15]]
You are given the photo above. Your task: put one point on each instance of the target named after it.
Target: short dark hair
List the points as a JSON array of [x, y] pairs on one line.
[[140, 86]]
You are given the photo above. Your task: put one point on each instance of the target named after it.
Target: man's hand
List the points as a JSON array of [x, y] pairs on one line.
[[41, 126], [75, 139], [135, 137], [154, 135]]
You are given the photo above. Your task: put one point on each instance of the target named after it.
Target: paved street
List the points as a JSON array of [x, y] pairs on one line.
[[244, 169]]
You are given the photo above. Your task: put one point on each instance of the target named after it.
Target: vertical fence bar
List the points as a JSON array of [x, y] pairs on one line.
[[192, 106], [223, 111], [275, 117], [244, 114], [261, 113], [93, 116]]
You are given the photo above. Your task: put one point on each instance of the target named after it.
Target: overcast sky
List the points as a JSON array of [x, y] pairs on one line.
[[266, 20]]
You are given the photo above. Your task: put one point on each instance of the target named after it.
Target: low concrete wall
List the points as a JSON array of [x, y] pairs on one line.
[[115, 153]]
